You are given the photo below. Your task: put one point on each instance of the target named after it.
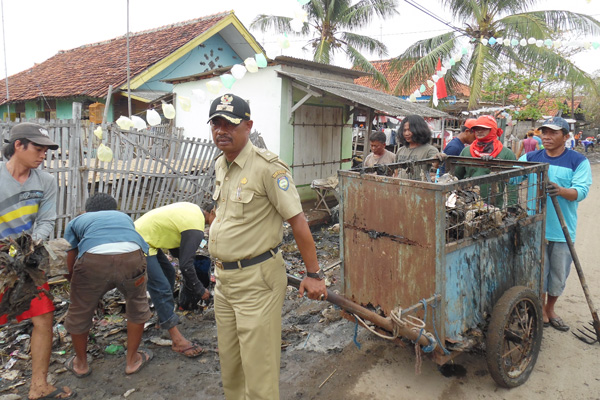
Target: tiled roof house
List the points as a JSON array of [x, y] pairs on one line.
[[557, 106], [47, 90]]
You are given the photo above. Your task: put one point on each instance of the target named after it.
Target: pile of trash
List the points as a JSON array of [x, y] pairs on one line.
[[467, 214], [22, 264]]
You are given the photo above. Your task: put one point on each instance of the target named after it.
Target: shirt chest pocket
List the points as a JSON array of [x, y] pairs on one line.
[[239, 204]]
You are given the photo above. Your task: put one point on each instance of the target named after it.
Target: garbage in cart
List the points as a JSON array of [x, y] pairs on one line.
[[460, 259]]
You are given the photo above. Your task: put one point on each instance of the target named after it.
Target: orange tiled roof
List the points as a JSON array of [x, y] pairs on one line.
[[548, 106], [89, 70], [393, 76]]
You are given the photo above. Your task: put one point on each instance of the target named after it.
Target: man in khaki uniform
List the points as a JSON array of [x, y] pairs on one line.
[[254, 194]]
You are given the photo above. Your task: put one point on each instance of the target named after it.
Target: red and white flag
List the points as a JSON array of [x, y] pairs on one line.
[[439, 90]]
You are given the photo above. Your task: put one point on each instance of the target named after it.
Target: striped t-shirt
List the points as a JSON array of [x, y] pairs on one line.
[[29, 207]]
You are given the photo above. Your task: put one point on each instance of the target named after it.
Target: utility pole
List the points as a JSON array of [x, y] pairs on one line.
[[128, 69], [5, 62]]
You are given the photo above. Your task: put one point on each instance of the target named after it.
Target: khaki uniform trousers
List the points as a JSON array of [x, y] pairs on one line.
[[248, 305]]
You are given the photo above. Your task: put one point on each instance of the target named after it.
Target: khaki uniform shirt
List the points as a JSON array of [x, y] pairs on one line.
[[254, 195]]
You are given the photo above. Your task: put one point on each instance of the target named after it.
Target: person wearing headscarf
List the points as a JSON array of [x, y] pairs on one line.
[[487, 147]]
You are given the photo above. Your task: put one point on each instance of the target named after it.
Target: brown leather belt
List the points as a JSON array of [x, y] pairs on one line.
[[248, 262]]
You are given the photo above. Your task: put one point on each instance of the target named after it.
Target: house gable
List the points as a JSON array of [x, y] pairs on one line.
[[86, 72], [227, 42]]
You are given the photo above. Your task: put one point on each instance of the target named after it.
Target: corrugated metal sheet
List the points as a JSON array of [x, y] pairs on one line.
[[316, 143], [379, 101]]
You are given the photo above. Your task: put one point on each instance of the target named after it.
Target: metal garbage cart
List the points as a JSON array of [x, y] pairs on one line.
[[455, 265]]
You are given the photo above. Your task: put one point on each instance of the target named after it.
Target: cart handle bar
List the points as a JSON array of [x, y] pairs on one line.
[[382, 322]]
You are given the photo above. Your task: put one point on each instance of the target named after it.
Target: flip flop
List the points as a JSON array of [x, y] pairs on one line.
[[56, 395], [147, 355], [558, 324], [197, 351], [69, 367], [546, 324]]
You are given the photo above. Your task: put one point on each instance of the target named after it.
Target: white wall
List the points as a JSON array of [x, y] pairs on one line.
[[261, 89]]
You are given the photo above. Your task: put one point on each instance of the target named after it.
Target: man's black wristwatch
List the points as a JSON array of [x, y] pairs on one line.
[[316, 275]]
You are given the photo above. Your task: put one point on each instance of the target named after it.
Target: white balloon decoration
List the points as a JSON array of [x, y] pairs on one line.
[[153, 117]]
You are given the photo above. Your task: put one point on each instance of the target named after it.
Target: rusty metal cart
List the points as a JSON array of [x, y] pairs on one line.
[[453, 266]]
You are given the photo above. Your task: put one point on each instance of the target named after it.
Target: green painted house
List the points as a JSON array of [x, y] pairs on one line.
[[85, 73]]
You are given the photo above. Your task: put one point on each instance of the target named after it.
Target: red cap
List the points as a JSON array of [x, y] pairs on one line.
[[470, 123], [486, 121]]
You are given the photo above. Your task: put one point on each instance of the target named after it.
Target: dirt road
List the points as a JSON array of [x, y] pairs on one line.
[[321, 361], [566, 368]]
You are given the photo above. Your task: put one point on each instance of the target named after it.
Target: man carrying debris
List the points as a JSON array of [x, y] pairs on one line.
[[178, 227], [106, 253], [569, 179], [255, 193], [28, 205]]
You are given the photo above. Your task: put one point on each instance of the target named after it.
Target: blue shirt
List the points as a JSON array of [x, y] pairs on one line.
[[102, 227], [453, 148], [570, 170]]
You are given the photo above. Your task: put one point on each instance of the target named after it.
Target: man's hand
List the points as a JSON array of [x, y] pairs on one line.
[[189, 299], [487, 157], [441, 156], [552, 189], [315, 289]]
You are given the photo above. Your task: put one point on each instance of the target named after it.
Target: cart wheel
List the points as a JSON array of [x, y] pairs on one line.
[[514, 336]]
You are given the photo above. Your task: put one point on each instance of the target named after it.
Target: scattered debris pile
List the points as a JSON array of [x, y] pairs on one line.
[[302, 324]]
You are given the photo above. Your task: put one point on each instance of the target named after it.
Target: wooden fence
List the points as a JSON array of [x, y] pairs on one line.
[[150, 168]]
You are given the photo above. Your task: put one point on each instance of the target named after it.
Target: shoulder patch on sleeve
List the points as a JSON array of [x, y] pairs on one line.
[[283, 183], [267, 155]]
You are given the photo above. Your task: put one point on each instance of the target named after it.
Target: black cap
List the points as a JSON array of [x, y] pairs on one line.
[[231, 107], [34, 133]]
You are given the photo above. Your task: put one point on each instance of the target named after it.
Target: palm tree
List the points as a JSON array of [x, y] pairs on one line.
[[332, 24], [486, 19]]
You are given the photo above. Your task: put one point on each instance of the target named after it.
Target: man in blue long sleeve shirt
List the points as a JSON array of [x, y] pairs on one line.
[[570, 177]]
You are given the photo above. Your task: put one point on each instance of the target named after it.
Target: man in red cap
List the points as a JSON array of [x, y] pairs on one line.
[[487, 147]]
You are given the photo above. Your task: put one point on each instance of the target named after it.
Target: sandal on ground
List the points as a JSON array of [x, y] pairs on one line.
[[57, 394], [146, 355], [70, 368], [558, 323], [191, 352]]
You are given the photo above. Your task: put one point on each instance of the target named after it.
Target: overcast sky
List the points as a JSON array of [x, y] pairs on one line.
[[35, 30]]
